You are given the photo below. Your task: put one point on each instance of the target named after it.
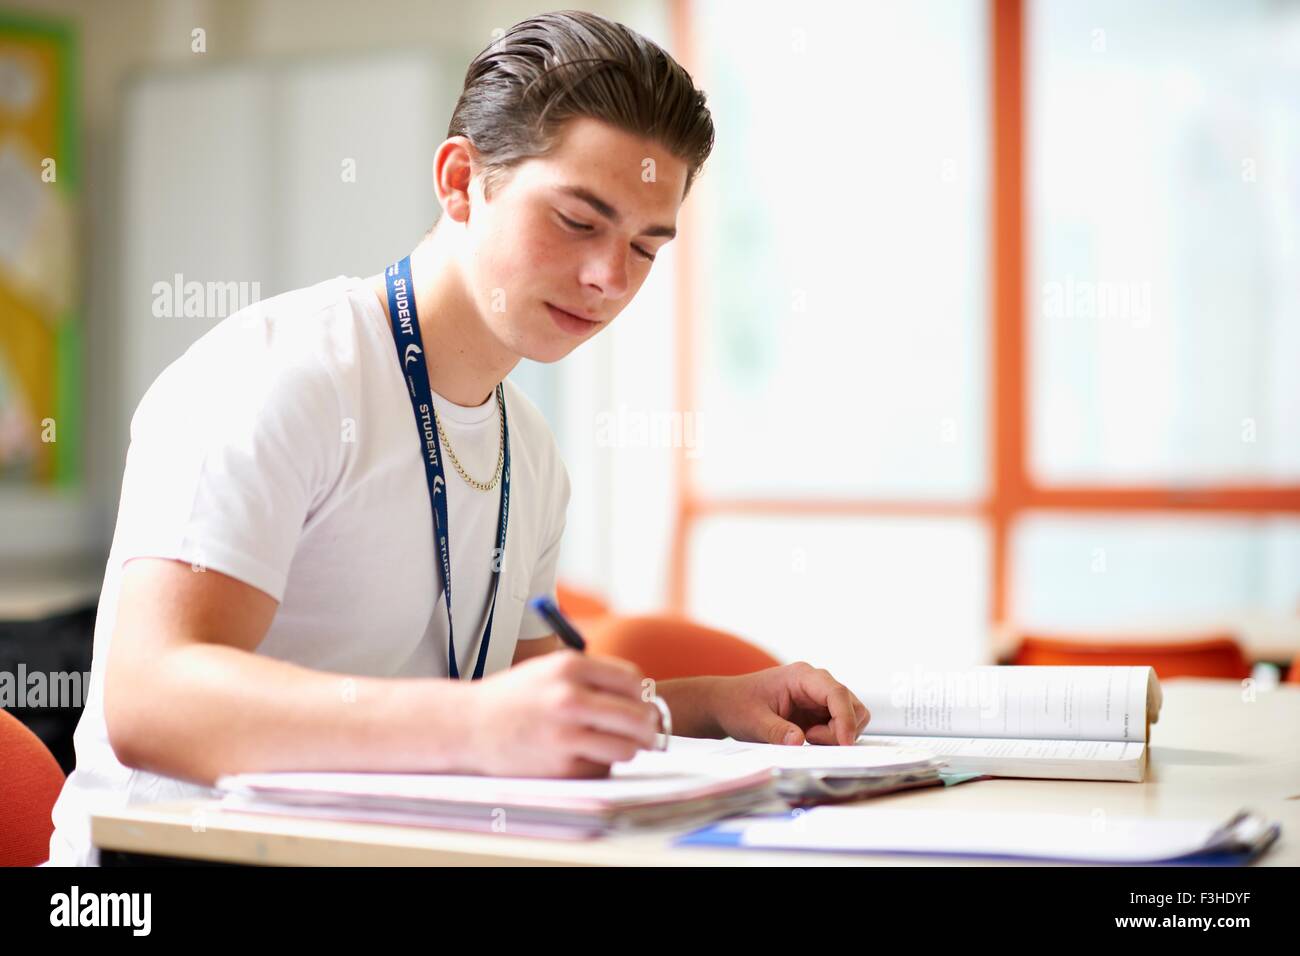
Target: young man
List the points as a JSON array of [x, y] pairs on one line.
[[277, 597]]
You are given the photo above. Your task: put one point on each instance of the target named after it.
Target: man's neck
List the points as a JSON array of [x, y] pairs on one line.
[[465, 362]]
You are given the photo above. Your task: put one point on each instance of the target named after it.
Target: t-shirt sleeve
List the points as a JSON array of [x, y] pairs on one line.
[[225, 465], [546, 569]]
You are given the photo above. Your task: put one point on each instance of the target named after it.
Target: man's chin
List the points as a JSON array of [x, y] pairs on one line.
[[544, 350], [549, 352]]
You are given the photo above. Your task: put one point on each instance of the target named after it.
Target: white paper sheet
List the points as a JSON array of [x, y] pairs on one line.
[[1083, 837]]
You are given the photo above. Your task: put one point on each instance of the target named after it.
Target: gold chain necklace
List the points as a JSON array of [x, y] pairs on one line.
[[501, 451]]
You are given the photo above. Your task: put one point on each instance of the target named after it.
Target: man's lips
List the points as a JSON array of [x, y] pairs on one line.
[[570, 322], [577, 313]]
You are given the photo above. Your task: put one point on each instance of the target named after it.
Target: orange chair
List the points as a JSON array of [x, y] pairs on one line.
[[664, 647], [579, 605], [29, 785], [1293, 675], [1214, 656]]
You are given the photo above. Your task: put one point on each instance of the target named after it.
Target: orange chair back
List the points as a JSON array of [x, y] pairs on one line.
[[578, 604], [1215, 656], [664, 647], [29, 785]]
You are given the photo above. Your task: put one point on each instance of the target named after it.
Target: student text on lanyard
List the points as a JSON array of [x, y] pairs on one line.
[[410, 356]]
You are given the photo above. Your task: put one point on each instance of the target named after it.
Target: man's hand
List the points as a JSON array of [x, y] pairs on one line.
[[786, 705], [562, 714]]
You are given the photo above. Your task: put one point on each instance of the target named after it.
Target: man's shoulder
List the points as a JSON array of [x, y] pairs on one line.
[[320, 317], [317, 331], [294, 347]]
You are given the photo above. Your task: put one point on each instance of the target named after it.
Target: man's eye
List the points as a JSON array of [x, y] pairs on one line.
[[584, 227]]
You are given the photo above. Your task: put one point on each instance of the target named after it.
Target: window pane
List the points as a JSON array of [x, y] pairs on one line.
[[858, 596], [1123, 572], [1164, 197], [841, 273]]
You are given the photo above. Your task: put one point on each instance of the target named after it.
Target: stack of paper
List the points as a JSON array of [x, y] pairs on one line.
[[691, 782], [635, 795]]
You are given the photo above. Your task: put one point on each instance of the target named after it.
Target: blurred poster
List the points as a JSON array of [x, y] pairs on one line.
[[40, 334]]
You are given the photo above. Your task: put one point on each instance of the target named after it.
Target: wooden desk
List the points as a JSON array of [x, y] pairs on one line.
[[1212, 753]]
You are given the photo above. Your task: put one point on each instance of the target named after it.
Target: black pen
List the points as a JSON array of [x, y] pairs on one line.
[[545, 607]]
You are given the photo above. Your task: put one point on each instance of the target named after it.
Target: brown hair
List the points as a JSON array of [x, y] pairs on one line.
[[544, 71]]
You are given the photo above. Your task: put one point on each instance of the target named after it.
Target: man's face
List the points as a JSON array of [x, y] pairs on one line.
[[575, 230]]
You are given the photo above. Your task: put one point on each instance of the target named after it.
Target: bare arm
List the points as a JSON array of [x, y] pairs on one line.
[[691, 700], [185, 696]]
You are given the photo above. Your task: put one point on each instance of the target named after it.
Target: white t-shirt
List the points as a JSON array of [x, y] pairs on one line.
[[281, 449]]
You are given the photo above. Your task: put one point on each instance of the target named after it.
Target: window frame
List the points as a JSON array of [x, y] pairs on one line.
[[1011, 490]]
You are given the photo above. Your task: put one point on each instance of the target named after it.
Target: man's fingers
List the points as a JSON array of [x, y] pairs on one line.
[[775, 729], [821, 734], [603, 673], [615, 715], [580, 768], [599, 747], [822, 690], [844, 720], [861, 713]]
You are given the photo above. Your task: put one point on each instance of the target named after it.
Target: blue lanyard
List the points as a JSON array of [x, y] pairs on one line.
[[410, 356]]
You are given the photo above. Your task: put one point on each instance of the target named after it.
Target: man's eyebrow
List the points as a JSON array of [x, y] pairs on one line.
[[610, 213]]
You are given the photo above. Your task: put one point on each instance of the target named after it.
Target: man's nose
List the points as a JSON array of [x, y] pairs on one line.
[[607, 271]]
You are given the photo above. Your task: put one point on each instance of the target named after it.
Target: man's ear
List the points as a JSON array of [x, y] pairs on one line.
[[454, 166]]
